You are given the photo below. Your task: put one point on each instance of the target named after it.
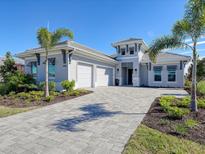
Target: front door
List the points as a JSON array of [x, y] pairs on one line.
[[130, 71]]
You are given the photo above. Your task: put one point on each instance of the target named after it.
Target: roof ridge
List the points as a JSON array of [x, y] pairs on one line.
[[176, 54], [94, 50], [128, 39]]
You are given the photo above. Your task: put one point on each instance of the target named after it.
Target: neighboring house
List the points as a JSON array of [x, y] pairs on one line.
[[89, 68]]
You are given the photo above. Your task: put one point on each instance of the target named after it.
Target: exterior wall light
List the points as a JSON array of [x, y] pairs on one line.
[[135, 70]]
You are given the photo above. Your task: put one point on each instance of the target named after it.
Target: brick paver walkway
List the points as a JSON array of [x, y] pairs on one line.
[[100, 123]]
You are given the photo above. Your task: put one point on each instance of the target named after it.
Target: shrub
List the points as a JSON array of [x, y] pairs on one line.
[[36, 98], [51, 86], [201, 103], [166, 102], [177, 113], [201, 87], [19, 82], [167, 98], [187, 84], [181, 129], [54, 93], [23, 95], [184, 102], [37, 93], [74, 93], [82, 90], [3, 89], [68, 85], [49, 98], [190, 123], [164, 122]]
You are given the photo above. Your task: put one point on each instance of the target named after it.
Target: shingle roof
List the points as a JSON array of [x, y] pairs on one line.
[[130, 39], [145, 57], [71, 44]]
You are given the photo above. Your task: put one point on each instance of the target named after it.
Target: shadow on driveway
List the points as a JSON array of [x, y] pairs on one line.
[[93, 112]]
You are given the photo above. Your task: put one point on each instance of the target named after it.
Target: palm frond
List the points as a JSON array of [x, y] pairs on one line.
[[182, 29], [44, 38], [195, 15], [59, 33], [166, 42]]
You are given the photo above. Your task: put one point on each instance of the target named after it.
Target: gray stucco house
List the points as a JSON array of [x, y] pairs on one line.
[[89, 68]]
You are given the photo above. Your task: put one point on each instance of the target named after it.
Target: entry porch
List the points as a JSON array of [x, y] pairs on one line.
[[127, 73]]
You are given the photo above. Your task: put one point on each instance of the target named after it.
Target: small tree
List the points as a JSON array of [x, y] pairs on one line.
[[48, 40], [192, 26], [8, 68]]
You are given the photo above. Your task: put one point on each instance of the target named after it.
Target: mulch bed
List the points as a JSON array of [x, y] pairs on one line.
[[19, 103], [156, 116]]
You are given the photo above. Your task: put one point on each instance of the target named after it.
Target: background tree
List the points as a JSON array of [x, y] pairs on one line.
[[8, 68], [200, 70], [48, 40], [192, 26], [13, 79]]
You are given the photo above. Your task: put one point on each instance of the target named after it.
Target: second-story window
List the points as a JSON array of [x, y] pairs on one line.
[[122, 51], [131, 49]]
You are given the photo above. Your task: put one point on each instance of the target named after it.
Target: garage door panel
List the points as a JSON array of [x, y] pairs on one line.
[[84, 74], [104, 76]]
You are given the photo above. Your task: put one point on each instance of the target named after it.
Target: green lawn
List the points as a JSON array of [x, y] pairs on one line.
[[150, 141], [7, 111]]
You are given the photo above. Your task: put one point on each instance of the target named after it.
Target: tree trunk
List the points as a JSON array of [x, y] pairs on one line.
[[46, 76], [193, 90]]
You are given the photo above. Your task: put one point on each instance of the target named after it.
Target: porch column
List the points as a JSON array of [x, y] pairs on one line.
[[135, 75], [94, 82], [119, 73]]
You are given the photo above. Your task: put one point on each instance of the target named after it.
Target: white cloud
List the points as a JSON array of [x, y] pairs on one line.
[[150, 33]]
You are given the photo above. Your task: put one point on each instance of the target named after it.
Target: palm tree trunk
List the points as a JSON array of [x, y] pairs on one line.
[[193, 91], [46, 76]]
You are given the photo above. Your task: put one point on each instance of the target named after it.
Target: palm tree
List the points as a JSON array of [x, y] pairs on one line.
[[48, 40], [192, 26]]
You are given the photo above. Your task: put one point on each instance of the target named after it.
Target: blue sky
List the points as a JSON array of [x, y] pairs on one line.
[[95, 23]]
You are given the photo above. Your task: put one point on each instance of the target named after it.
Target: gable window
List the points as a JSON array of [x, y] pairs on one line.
[[123, 51], [157, 73], [171, 73], [51, 68], [34, 69], [131, 49]]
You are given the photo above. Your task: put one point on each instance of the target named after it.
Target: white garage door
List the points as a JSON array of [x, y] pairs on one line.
[[104, 76], [84, 75]]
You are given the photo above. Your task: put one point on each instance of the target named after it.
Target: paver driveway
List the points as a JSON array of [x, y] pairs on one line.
[[100, 122]]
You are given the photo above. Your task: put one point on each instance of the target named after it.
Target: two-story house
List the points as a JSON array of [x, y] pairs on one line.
[[90, 68]]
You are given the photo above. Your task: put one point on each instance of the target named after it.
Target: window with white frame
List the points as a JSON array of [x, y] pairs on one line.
[[122, 51], [34, 68], [157, 73], [172, 73], [51, 68], [131, 49]]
